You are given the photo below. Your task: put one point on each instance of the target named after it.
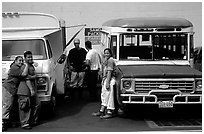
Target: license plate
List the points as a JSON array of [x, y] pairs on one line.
[[166, 104]]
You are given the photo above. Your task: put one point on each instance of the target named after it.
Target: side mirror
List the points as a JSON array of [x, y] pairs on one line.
[[61, 59]]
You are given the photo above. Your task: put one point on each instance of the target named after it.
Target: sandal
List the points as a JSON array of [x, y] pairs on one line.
[[107, 115], [99, 113]]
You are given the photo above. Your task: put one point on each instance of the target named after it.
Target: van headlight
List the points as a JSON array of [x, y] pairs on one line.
[[41, 80], [127, 84]]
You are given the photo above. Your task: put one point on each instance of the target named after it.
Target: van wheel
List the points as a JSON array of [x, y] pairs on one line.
[[51, 107], [52, 103]]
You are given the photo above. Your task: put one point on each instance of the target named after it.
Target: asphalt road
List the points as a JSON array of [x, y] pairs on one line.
[[75, 116]]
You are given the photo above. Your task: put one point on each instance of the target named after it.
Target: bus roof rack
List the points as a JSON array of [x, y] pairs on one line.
[[149, 22]]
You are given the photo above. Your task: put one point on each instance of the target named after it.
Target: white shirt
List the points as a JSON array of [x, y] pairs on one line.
[[94, 58]]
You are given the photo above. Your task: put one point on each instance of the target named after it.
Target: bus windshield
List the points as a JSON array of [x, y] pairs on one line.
[[159, 46], [13, 48]]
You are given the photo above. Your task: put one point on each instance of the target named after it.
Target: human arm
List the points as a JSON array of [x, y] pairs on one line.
[[28, 83], [31, 77], [25, 70], [109, 69], [17, 71], [108, 79], [88, 60]]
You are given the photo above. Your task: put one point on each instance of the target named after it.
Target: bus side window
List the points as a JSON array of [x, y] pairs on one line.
[[113, 45]]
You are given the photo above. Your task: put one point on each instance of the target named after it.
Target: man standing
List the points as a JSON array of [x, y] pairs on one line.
[[93, 60], [76, 58], [29, 104]]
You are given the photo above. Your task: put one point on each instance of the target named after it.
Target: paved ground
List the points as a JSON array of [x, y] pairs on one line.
[[76, 117]]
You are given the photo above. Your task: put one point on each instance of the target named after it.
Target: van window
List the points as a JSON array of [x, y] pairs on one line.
[[13, 48], [49, 49]]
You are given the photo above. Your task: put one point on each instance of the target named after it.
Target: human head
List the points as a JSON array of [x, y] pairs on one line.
[[28, 57], [88, 45], [108, 53], [76, 42], [18, 61]]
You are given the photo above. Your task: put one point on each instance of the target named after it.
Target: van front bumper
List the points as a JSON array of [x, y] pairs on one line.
[[45, 98]]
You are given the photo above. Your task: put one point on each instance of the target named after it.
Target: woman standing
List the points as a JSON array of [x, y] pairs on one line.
[[108, 81], [9, 88]]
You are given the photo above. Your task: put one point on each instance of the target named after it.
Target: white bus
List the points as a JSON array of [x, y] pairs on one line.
[[153, 59]]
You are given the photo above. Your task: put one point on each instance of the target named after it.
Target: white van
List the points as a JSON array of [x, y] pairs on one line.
[[43, 35]]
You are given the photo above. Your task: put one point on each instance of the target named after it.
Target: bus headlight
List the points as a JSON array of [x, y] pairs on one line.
[[198, 85], [127, 84]]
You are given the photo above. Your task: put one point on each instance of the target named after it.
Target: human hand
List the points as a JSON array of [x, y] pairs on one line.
[[102, 82], [31, 76], [32, 92], [66, 70], [35, 64], [25, 63], [108, 86], [71, 68]]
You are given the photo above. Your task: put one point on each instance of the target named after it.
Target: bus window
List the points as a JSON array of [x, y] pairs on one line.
[[153, 46], [170, 46], [113, 45], [135, 46]]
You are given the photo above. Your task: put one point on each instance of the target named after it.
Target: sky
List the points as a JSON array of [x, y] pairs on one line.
[[94, 14]]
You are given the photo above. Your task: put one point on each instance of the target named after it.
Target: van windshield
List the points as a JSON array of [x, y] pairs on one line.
[[13, 48], [153, 46]]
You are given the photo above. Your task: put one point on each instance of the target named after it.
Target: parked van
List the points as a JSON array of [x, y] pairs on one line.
[[43, 35]]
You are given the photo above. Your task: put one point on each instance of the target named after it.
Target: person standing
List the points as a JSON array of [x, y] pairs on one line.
[[9, 88], [29, 104], [107, 94], [75, 61], [93, 61]]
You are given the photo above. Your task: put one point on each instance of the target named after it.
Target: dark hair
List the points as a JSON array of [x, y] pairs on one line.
[[110, 51], [88, 44], [16, 58], [27, 53]]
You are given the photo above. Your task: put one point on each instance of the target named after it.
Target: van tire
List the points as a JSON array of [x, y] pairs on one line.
[[52, 103]]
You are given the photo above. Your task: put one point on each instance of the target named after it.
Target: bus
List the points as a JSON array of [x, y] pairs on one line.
[[197, 61], [153, 56]]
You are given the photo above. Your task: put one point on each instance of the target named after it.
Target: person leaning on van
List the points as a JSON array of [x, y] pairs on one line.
[[107, 92], [9, 88], [29, 104]]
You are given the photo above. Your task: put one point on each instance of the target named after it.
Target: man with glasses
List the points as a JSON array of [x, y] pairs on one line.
[[75, 62]]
